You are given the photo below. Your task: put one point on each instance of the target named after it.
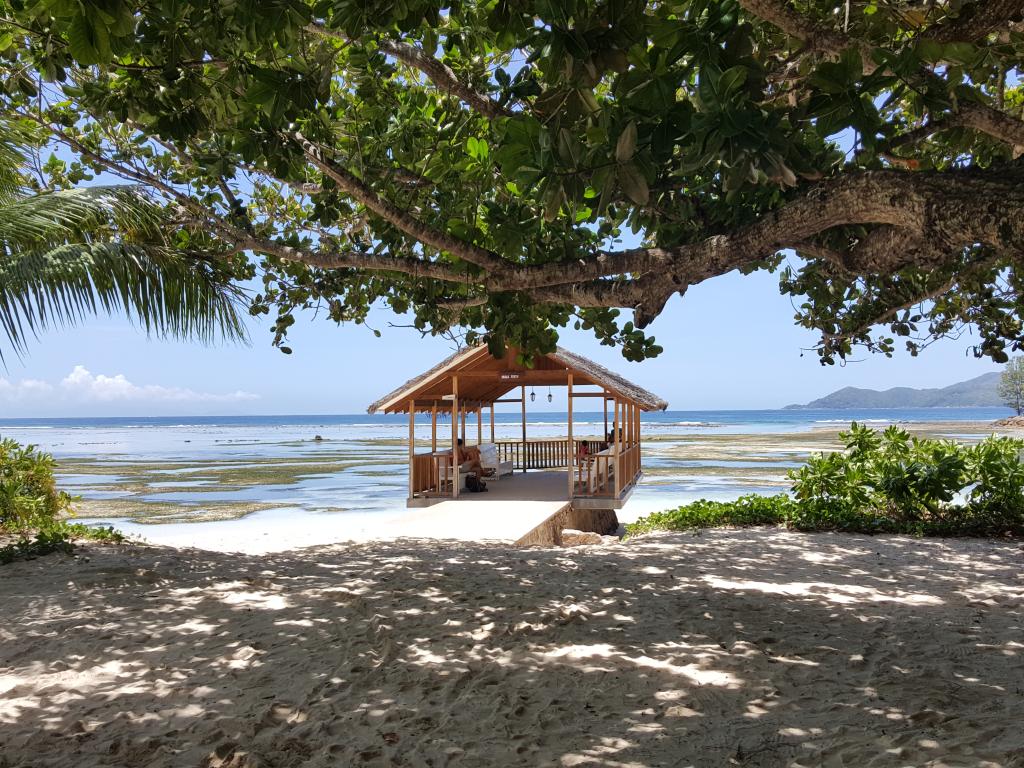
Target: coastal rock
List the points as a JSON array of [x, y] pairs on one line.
[[573, 538], [1013, 421]]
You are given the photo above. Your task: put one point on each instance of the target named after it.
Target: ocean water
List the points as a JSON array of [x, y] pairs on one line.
[[177, 461], [147, 435]]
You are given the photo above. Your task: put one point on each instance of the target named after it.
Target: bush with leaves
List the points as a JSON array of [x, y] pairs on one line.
[[886, 482], [28, 491], [747, 510], [34, 509], [905, 478]]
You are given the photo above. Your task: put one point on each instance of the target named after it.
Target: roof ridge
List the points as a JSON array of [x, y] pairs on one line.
[[602, 376]]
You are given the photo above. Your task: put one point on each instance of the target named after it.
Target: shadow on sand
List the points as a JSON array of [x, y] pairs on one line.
[[759, 648]]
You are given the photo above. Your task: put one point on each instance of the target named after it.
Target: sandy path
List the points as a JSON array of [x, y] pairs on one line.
[[754, 648]]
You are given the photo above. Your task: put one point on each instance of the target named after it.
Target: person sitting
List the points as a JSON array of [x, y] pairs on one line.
[[469, 455]]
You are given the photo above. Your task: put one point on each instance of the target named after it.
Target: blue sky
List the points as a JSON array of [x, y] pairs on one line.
[[730, 343]]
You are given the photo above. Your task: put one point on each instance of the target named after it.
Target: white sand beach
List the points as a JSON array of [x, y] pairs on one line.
[[754, 648]]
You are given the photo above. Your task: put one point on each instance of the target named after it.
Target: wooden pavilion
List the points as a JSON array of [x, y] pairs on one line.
[[597, 472]]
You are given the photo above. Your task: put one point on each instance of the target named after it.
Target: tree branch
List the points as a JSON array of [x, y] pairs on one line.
[[929, 214], [348, 260], [439, 73], [410, 225], [993, 122], [242, 239], [977, 20], [818, 37], [976, 115], [889, 313]]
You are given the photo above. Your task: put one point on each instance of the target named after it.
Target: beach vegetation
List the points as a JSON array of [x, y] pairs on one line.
[[752, 509], [29, 497], [33, 511], [1011, 385], [473, 165], [883, 482]]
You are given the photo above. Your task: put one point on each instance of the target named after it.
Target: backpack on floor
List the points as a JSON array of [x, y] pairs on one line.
[[475, 485]]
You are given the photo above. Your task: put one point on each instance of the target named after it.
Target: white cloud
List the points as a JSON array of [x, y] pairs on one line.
[[26, 389], [83, 386]]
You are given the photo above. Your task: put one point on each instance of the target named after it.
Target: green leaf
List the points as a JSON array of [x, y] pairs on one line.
[[553, 197], [88, 41], [634, 184], [625, 147], [732, 80]]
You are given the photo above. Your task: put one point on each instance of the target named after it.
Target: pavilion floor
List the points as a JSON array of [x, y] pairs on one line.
[[518, 508], [537, 485], [509, 509]]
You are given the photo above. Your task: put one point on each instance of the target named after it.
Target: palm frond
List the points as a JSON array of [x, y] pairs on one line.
[[13, 140], [167, 292], [78, 215]]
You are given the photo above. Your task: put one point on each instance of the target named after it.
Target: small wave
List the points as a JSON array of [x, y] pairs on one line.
[[859, 421]]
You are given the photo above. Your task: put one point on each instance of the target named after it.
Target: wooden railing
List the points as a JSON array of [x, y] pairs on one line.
[[534, 454], [422, 473], [594, 471], [630, 466], [594, 475], [543, 454], [432, 473]]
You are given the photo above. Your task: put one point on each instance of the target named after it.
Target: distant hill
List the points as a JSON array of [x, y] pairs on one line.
[[979, 392]]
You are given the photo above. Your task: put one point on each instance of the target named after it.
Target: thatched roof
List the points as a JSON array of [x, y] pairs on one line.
[[483, 379]]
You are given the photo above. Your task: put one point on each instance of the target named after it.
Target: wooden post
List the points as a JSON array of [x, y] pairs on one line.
[[455, 436], [412, 447], [627, 422], [492, 422], [463, 412], [632, 424], [572, 443], [604, 399], [433, 429], [617, 426], [523, 400], [479, 425], [615, 423], [639, 451]]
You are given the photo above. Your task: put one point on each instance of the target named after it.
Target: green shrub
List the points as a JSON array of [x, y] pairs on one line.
[[883, 483], [831, 515], [997, 496], [29, 498], [32, 507], [905, 478], [747, 510]]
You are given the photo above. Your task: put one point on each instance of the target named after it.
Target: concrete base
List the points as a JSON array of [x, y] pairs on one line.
[[603, 521]]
